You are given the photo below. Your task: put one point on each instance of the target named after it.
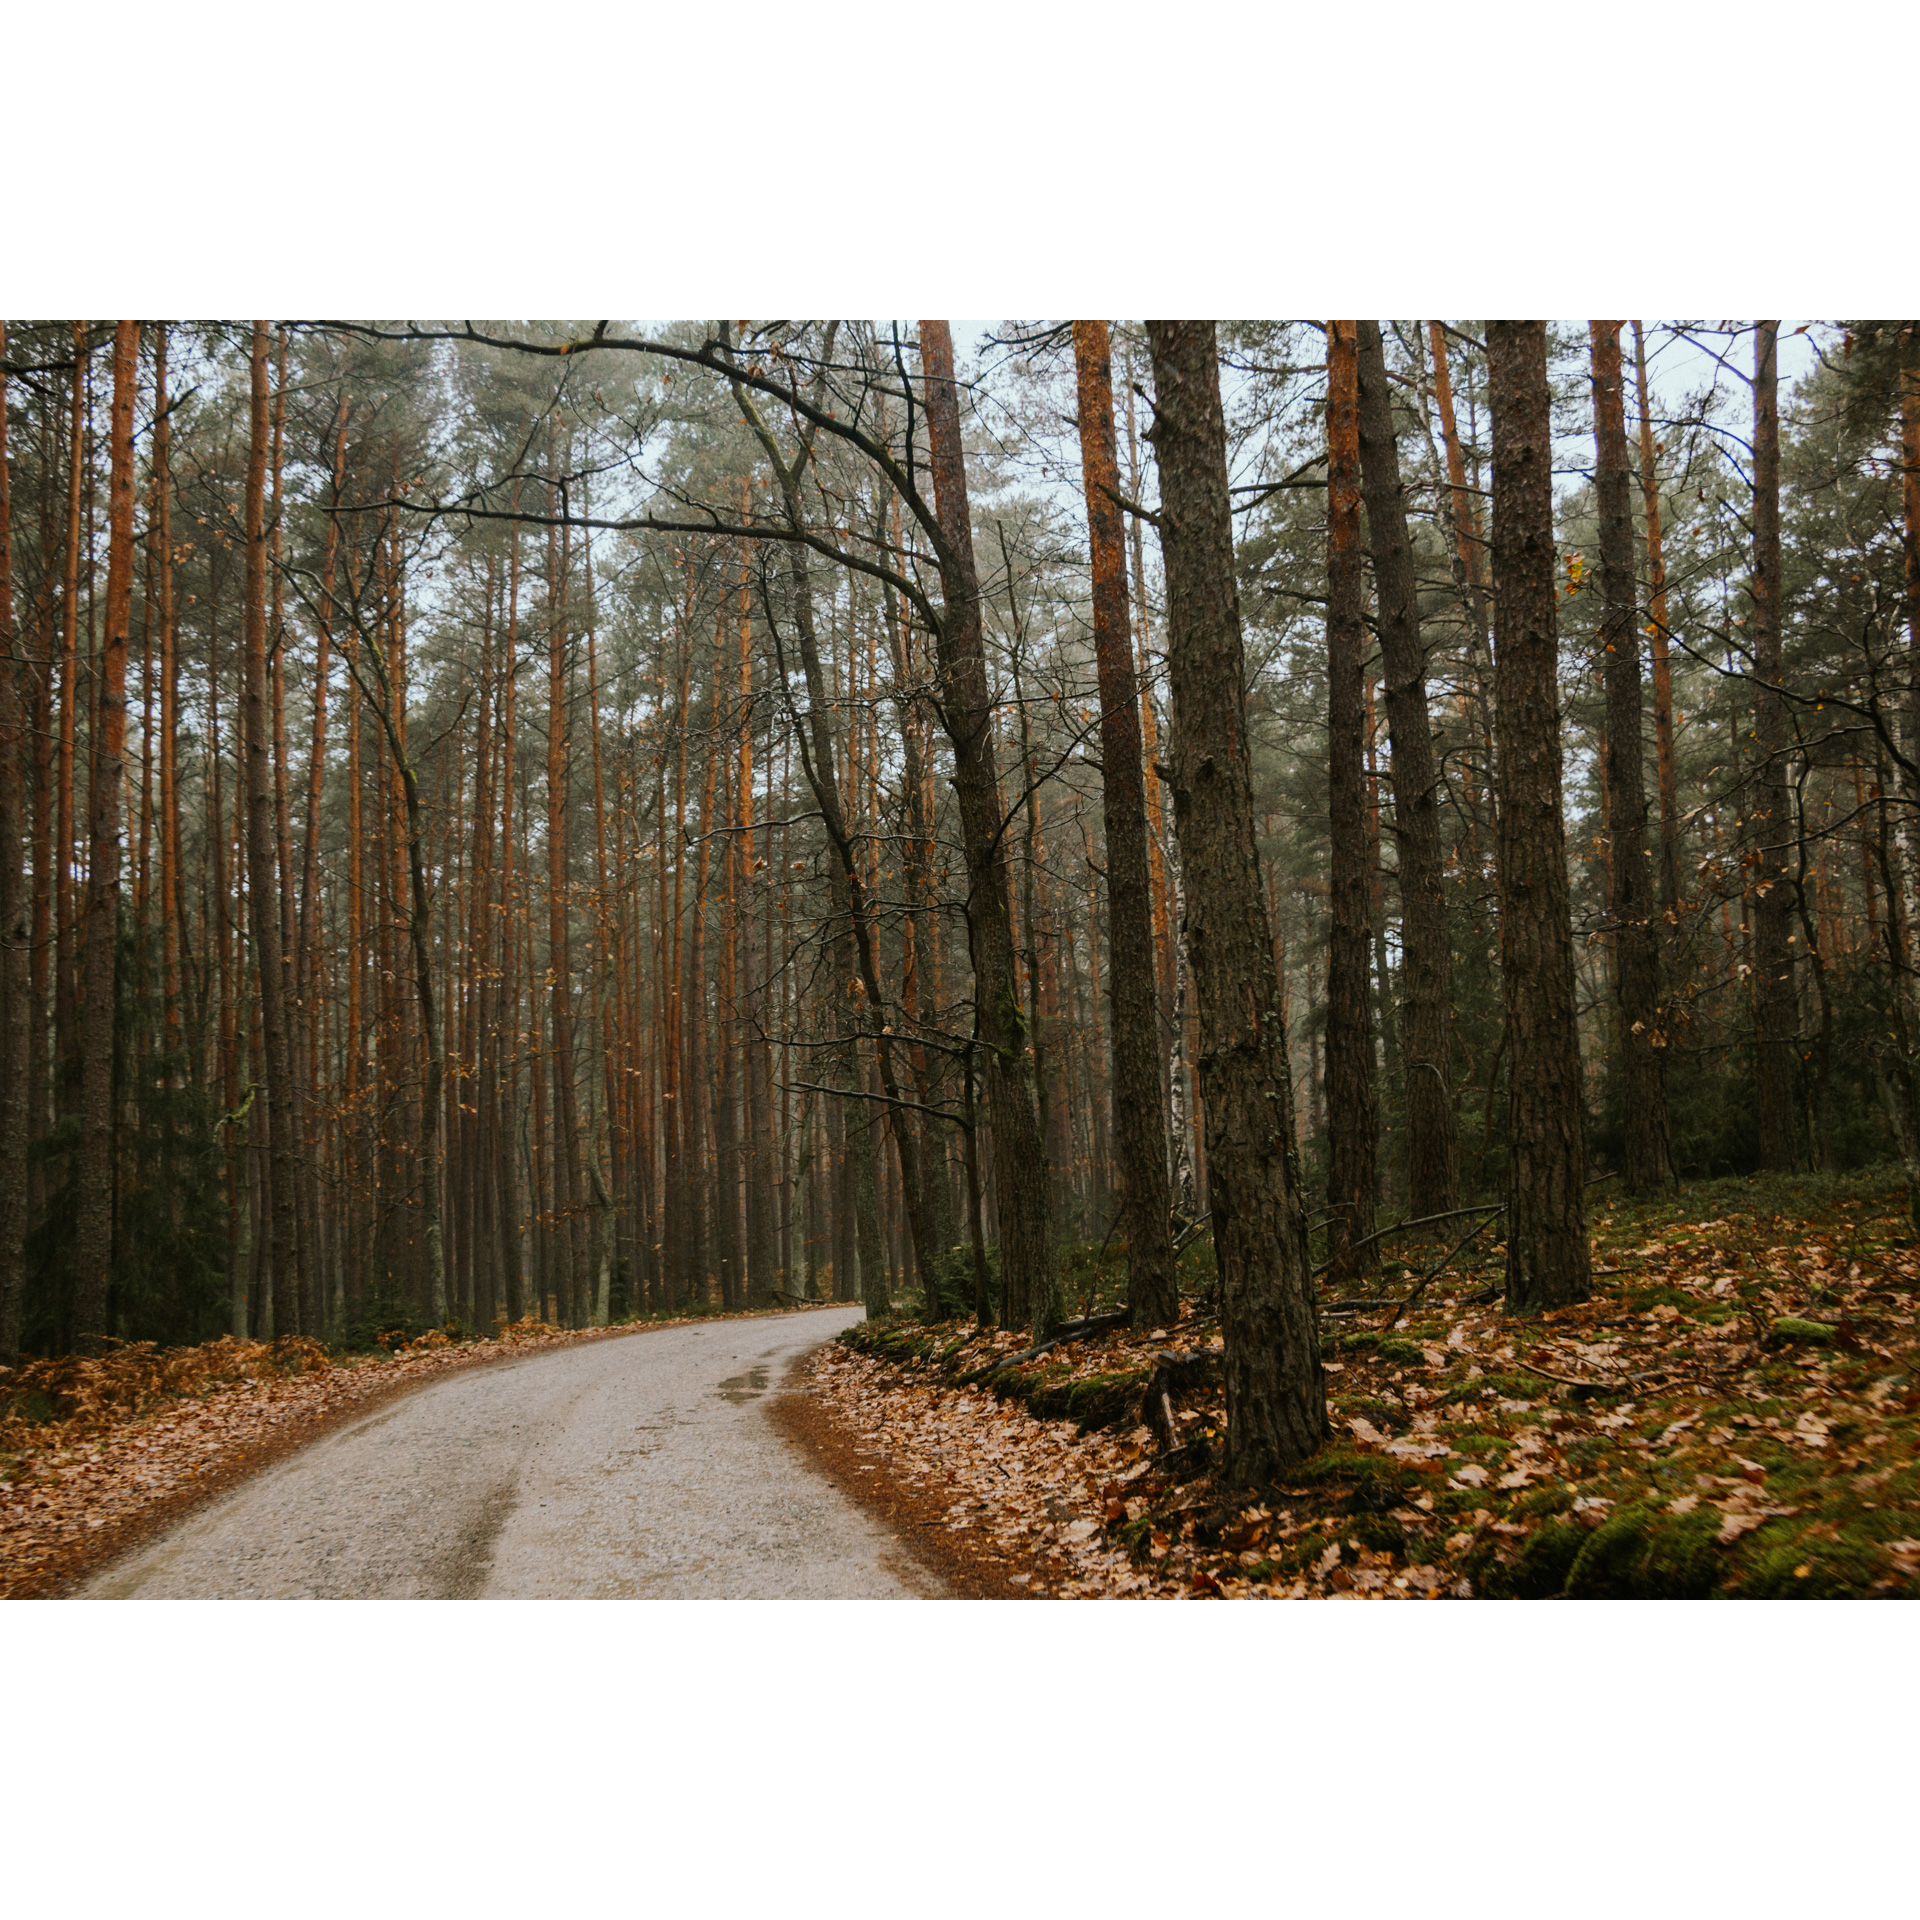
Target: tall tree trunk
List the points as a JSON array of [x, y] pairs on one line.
[[506, 1131], [1426, 972], [309, 986], [1026, 1251], [727, 1239], [408, 893], [1351, 1119], [1549, 1263], [312, 1305], [93, 1242], [1276, 1392], [65, 972], [1776, 1007], [1469, 557], [477, 1052], [352, 1096], [1670, 893], [695, 1092], [1139, 1111], [14, 928], [1645, 1164], [566, 1116], [172, 884], [762, 1248], [40, 728], [289, 1289], [1166, 960]]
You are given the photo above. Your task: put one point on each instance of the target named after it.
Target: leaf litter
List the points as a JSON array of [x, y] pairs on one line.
[[1733, 1413]]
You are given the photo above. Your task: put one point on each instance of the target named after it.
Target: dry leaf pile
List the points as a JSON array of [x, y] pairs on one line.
[[96, 1450], [1734, 1412]]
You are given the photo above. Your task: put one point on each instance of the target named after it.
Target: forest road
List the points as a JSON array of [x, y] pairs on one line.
[[640, 1468]]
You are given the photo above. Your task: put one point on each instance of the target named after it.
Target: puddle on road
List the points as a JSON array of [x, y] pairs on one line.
[[745, 1386]]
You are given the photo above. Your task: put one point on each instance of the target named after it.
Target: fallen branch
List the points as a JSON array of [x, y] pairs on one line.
[[1407, 1226], [999, 1366], [1527, 1366], [1067, 1330], [1093, 1323], [1428, 1279]]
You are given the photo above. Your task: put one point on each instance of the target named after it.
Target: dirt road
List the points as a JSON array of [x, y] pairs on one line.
[[640, 1468]]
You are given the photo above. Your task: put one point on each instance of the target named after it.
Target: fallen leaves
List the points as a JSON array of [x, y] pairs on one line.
[[1665, 1424]]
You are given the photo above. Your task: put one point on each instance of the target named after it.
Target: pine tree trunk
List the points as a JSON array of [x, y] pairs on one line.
[[93, 1243], [1548, 1260], [695, 1091], [40, 727], [1776, 1006], [289, 1291], [1426, 973], [507, 1121], [568, 1276], [726, 1105], [1351, 1119], [14, 928], [310, 985], [762, 1250], [1026, 1251], [1670, 889], [1276, 1392], [1645, 1166], [1139, 1110], [65, 972], [172, 885]]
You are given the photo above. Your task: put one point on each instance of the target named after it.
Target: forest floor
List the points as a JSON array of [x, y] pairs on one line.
[[100, 1453], [1735, 1412]]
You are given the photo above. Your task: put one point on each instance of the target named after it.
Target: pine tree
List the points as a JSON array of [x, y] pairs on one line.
[[1549, 1263], [1276, 1392]]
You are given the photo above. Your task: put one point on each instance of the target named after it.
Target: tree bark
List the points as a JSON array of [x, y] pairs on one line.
[[1351, 1118], [1549, 1263], [288, 1278], [93, 1244], [1139, 1111], [1670, 891], [64, 969], [14, 928], [1776, 1006], [1426, 972], [756, 1068], [1276, 1392], [568, 1180], [1026, 1250], [1645, 1164]]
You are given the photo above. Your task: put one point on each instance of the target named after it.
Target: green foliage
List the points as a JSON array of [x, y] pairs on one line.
[[954, 1284], [1093, 1274], [383, 1320]]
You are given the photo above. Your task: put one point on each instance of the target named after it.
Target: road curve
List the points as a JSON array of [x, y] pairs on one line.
[[639, 1468]]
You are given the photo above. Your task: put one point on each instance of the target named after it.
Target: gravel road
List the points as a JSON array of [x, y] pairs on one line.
[[637, 1468]]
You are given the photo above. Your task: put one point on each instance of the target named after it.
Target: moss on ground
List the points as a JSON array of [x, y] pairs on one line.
[[1735, 1412]]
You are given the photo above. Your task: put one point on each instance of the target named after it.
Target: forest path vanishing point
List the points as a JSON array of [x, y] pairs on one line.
[[624, 1469]]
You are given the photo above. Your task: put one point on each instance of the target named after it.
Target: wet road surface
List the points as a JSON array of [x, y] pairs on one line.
[[636, 1468]]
